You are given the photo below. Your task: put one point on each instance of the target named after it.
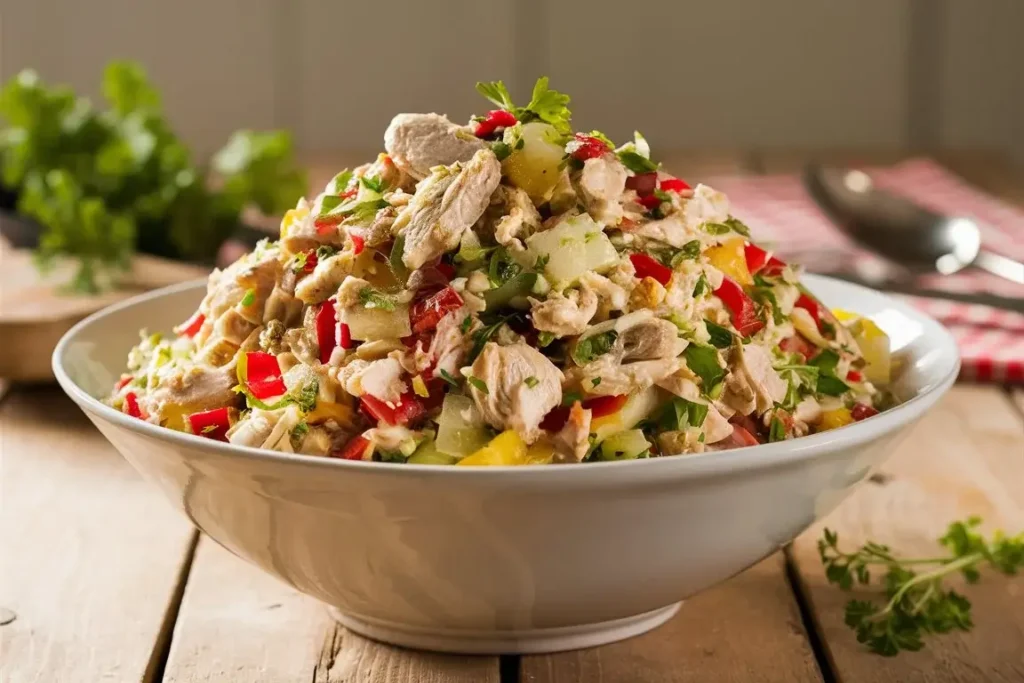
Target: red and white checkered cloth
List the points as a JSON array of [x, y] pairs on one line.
[[780, 213]]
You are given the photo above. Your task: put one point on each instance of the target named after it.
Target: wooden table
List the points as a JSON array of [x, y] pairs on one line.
[[102, 581]]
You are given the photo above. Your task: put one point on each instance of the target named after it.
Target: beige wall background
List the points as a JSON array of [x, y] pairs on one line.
[[727, 73]]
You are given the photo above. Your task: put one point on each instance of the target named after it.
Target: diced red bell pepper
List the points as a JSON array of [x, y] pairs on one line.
[[599, 406], [213, 424], [759, 261], [797, 344], [643, 183], [263, 375], [740, 438], [674, 185], [498, 118], [854, 376], [326, 330], [355, 449], [344, 336], [811, 305], [190, 327], [648, 266], [123, 382], [358, 244], [650, 202], [583, 147], [862, 411], [446, 269], [324, 223], [425, 313], [131, 406], [741, 306], [310, 263], [408, 409]]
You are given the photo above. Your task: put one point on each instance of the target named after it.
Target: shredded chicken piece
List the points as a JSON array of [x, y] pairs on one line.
[[601, 184], [449, 346], [614, 378], [419, 142], [752, 384], [190, 390], [509, 401], [380, 378], [446, 205], [645, 337], [573, 441], [612, 295], [391, 438], [564, 315], [269, 429], [325, 278], [520, 219]]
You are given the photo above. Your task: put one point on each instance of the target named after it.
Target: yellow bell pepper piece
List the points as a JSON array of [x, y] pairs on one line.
[[730, 258], [540, 453], [504, 449], [291, 217], [328, 410], [873, 343], [833, 419]]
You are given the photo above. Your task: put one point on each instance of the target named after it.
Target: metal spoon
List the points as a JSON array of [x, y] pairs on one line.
[[900, 230]]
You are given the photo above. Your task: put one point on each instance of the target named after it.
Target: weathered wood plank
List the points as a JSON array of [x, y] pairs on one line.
[[745, 630], [92, 557], [239, 624], [962, 459]]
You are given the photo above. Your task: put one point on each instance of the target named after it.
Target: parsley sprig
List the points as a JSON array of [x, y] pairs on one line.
[[918, 604], [546, 104]]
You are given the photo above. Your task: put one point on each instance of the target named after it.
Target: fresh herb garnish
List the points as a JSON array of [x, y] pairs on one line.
[[249, 298], [715, 228], [483, 335], [636, 163], [466, 323], [766, 297], [701, 286], [531, 381], [546, 105], [703, 361], [721, 337], [478, 384], [776, 429], [542, 262], [738, 226], [502, 267], [680, 414], [918, 604], [339, 183], [373, 183], [595, 382], [447, 377], [828, 382], [570, 397], [593, 346], [501, 150], [545, 339], [373, 299], [690, 251], [325, 251]]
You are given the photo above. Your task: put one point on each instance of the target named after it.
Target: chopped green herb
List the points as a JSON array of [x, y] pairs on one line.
[[546, 105], [390, 456], [596, 381], [373, 299], [299, 432], [482, 336], [466, 323], [373, 183], [828, 383], [701, 286], [663, 196], [299, 262], [250, 297], [680, 414], [766, 297], [721, 337], [325, 252], [531, 382], [478, 384], [832, 386], [715, 228], [501, 149], [306, 396], [545, 339], [447, 377], [637, 163], [593, 346], [570, 397], [776, 430], [703, 361], [542, 262], [738, 226], [690, 251], [502, 267]]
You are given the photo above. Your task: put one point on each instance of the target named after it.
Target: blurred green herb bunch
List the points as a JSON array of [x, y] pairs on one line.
[[104, 184]]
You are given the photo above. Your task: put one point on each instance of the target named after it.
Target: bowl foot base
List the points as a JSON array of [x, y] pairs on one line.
[[527, 641]]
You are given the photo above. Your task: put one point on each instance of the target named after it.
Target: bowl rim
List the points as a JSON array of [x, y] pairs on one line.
[[748, 458]]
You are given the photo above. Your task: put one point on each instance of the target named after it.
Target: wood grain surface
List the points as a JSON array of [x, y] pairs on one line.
[[91, 555], [238, 624], [747, 630]]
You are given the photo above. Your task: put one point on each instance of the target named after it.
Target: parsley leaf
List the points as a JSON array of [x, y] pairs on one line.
[[447, 377], [373, 183], [636, 163], [547, 105], [250, 297], [680, 414], [738, 226], [701, 286], [703, 361], [721, 337], [776, 430], [478, 384], [502, 267], [531, 381], [374, 299], [496, 92], [593, 346], [715, 228]]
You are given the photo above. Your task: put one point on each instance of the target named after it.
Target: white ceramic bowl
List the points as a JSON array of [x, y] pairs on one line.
[[527, 559]]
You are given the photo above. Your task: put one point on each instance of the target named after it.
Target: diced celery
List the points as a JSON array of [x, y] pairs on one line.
[[627, 445], [460, 430], [377, 323], [427, 454]]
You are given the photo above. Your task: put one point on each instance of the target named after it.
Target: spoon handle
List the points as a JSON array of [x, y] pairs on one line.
[[1000, 265]]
